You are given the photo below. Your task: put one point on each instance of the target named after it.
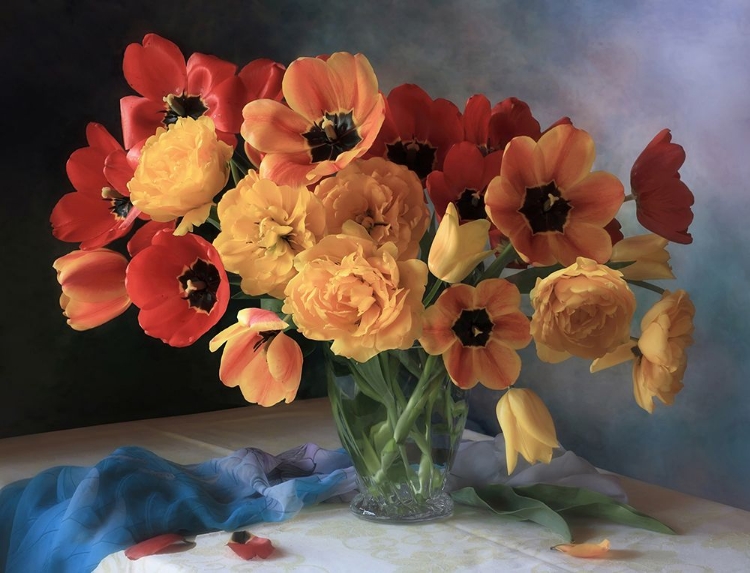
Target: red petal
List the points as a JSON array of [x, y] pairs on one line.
[[98, 137], [614, 230], [262, 79], [155, 69], [143, 236], [445, 128], [253, 547], [409, 107], [463, 167], [118, 171], [140, 119], [511, 118], [440, 192], [476, 120], [85, 170], [153, 285], [225, 104], [79, 217], [205, 72], [156, 545]]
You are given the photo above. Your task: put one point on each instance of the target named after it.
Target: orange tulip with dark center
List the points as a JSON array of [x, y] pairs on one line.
[[547, 201], [477, 331], [333, 113]]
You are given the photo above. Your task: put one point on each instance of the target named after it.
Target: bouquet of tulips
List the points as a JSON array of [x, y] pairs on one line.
[[369, 223]]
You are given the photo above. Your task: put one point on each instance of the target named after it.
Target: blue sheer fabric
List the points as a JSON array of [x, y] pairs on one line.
[[67, 519]]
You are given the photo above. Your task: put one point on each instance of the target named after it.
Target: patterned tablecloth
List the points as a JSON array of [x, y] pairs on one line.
[[712, 537]]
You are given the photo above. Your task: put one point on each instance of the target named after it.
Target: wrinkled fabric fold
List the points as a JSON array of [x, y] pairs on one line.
[[67, 519]]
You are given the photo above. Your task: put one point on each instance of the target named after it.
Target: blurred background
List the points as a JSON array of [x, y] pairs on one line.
[[620, 70]]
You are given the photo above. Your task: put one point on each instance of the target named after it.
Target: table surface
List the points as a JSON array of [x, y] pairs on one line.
[[712, 536]]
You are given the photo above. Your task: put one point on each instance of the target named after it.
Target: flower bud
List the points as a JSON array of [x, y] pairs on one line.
[[93, 287], [527, 427], [457, 249]]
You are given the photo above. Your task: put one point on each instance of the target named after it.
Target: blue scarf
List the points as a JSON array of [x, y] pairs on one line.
[[67, 519]]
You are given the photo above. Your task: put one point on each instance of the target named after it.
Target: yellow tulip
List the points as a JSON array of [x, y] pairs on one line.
[[650, 255], [527, 427], [457, 249]]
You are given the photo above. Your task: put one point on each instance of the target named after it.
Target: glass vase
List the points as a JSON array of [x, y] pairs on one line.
[[400, 418]]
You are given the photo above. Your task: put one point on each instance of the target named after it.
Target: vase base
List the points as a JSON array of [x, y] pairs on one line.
[[367, 507]]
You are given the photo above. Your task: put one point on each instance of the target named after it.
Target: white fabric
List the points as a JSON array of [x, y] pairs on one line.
[[713, 537]]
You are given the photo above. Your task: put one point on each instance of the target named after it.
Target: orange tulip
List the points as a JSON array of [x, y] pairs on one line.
[[477, 331], [93, 287], [547, 201], [259, 358], [334, 113]]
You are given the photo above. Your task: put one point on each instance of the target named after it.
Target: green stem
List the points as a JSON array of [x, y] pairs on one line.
[[433, 291], [214, 222], [648, 286], [237, 172], [416, 401], [493, 271]]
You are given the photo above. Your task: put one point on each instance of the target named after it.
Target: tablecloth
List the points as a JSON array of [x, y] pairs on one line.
[[712, 537]]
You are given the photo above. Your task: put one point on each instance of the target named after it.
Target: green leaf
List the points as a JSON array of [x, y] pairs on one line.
[[579, 501], [505, 502], [429, 236], [525, 280], [619, 265], [272, 304]]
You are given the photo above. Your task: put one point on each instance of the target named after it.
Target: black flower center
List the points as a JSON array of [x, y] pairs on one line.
[[470, 205], [418, 156], [200, 283], [334, 134], [119, 205], [545, 209], [183, 106], [473, 327], [265, 336]]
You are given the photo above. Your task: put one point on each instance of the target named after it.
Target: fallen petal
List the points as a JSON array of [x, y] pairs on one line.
[[252, 546], [155, 545], [584, 549]]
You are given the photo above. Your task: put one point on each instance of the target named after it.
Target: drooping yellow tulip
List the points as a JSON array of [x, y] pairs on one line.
[[527, 427], [458, 249], [650, 255]]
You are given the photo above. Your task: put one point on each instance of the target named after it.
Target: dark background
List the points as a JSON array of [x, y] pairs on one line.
[[62, 67], [62, 62]]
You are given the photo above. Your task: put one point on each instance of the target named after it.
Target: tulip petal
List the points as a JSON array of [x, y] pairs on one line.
[[271, 127], [156, 68], [623, 353], [584, 549], [568, 154]]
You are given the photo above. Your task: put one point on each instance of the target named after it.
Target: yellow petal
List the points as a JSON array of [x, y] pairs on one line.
[[510, 432], [621, 354], [193, 218], [584, 549], [458, 249], [651, 259], [533, 417]]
